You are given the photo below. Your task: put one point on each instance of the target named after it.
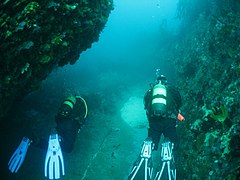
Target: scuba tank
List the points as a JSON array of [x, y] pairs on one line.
[[159, 100], [66, 107], [70, 101]]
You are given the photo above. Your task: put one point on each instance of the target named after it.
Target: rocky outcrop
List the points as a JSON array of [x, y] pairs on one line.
[[39, 36], [207, 60]]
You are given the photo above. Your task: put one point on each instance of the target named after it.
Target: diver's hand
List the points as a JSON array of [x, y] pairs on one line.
[[54, 159], [19, 155]]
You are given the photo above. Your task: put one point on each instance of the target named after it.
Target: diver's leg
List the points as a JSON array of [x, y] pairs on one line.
[[171, 133], [154, 131]]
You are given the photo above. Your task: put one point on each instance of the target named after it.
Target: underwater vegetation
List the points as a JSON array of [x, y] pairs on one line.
[[207, 57], [219, 114], [38, 36]]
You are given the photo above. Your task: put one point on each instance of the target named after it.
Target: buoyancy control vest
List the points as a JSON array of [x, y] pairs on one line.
[[159, 100]]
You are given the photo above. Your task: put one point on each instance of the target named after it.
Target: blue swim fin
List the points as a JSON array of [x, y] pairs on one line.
[[54, 159], [19, 155]]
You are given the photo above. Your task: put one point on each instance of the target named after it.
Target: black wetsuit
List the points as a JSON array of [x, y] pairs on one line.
[[67, 127], [166, 125]]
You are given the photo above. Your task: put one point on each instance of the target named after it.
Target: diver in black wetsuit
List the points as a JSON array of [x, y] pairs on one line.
[[70, 118], [162, 103]]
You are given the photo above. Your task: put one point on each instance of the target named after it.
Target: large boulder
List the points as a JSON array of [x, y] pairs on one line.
[[38, 36]]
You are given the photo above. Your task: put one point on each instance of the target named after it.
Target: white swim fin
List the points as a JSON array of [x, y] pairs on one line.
[[54, 162]]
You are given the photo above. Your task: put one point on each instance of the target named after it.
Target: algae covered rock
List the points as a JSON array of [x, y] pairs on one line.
[[37, 36], [206, 59]]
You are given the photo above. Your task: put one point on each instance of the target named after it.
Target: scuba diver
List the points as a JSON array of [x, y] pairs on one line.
[[162, 104], [70, 118]]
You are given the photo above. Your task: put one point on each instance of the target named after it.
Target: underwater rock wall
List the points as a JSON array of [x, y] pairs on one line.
[[39, 36], [207, 60]]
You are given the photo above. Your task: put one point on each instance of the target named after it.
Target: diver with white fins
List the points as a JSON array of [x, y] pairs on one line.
[[69, 119], [162, 103]]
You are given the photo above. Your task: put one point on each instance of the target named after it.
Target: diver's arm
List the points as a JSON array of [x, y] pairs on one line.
[[146, 98]]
